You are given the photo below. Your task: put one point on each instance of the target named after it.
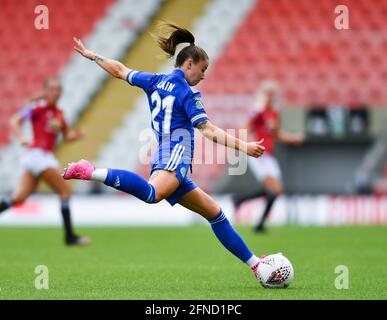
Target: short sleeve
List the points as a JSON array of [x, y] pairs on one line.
[[194, 108], [28, 111], [140, 79]]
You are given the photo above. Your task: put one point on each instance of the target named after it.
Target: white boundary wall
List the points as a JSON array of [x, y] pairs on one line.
[[123, 210]]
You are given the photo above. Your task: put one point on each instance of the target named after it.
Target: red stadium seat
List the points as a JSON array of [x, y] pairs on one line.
[[293, 40], [32, 55]]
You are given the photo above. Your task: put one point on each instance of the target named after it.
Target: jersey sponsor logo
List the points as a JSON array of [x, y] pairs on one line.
[[166, 85]]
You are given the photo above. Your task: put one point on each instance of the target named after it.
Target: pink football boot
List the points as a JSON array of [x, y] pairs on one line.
[[81, 170]]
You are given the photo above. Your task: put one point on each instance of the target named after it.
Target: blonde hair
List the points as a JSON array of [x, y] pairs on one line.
[[260, 96]]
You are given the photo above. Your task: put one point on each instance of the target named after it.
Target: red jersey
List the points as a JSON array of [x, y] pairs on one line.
[[47, 123], [264, 124]]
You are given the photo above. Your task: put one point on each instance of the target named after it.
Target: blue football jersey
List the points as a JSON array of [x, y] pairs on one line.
[[176, 109]]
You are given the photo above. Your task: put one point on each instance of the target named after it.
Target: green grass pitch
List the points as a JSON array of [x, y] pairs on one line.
[[189, 263]]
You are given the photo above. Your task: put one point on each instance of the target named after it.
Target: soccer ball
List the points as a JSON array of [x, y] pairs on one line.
[[275, 271]]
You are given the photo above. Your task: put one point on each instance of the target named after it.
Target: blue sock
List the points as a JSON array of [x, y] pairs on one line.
[[230, 239], [131, 183]]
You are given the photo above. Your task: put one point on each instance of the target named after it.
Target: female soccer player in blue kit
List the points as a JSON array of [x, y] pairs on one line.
[[176, 109]]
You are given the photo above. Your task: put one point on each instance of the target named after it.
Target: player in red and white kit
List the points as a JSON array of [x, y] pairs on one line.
[[38, 161], [265, 124]]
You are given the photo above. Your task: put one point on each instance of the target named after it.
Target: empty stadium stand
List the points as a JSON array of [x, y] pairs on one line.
[[296, 43], [29, 56], [111, 35]]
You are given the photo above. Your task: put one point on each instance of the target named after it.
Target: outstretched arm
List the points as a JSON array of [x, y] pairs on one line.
[[73, 135], [289, 139], [115, 68], [214, 133]]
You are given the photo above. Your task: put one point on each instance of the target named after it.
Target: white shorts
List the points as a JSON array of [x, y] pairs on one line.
[[37, 161], [264, 166]]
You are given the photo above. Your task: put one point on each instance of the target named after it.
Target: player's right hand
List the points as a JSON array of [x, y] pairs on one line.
[[79, 47], [255, 149]]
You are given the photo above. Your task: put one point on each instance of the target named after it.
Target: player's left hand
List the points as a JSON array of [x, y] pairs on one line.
[[255, 149], [74, 135], [79, 47], [79, 133], [299, 139]]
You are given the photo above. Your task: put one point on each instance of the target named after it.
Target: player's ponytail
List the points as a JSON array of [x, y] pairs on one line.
[[181, 35]]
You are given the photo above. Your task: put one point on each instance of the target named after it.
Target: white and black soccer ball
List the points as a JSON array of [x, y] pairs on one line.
[[275, 271]]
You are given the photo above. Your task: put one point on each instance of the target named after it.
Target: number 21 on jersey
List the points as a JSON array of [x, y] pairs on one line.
[[165, 104]]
